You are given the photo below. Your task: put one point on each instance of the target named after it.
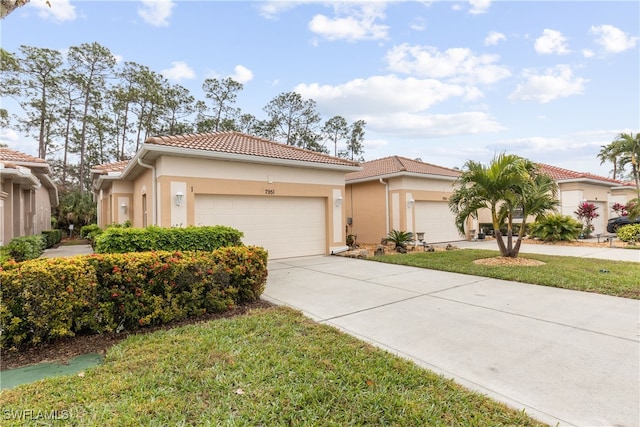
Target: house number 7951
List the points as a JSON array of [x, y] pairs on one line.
[[269, 191]]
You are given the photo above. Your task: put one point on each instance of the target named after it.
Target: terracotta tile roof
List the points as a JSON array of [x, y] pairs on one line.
[[397, 165], [110, 167], [13, 156], [243, 144], [560, 174]]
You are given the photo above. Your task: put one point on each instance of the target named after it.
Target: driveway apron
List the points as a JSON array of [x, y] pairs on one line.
[[566, 357]]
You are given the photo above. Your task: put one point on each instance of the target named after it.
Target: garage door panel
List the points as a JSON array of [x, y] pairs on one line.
[[437, 222], [285, 226]]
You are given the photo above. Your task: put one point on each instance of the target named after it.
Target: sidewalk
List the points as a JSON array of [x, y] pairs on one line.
[[67, 250]]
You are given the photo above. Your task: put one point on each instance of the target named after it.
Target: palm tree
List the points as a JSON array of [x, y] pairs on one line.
[[628, 148], [610, 153], [508, 184]]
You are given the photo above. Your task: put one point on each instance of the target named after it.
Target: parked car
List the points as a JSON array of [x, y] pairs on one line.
[[615, 223]]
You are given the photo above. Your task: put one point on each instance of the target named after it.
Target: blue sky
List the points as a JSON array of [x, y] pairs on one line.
[[444, 81]]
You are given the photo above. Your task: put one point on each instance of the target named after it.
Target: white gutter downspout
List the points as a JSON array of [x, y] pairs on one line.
[[153, 189], [386, 204]]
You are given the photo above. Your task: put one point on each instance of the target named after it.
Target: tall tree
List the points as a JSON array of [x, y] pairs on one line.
[[40, 75], [293, 120], [148, 103], [355, 149], [223, 93], [178, 105], [508, 184], [9, 72], [336, 130], [91, 65], [70, 97]]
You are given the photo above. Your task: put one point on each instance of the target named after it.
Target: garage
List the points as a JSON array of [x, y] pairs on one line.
[[437, 222], [285, 226]]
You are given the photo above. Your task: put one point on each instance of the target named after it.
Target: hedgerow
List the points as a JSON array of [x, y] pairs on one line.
[[46, 299], [207, 238], [629, 233], [26, 247]]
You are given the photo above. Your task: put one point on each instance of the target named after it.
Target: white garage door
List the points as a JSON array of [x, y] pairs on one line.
[[599, 223], [437, 222], [285, 226]]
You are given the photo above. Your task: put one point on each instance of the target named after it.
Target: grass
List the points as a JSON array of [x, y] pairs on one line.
[[616, 278], [273, 367]]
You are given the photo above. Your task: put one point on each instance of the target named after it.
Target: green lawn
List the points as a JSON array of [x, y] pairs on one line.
[[273, 367], [617, 278]]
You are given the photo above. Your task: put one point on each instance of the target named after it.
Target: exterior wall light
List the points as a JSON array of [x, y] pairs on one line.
[[338, 201], [179, 197], [123, 207], [410, 203]]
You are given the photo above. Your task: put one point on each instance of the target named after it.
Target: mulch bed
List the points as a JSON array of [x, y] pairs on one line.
[[65, 349]]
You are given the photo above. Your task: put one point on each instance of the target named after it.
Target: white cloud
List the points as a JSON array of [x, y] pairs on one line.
[[179, 71], [57, 11], [613, 39], [270, 9], [493, 38], [422, 126], [551, 42], [381, 94], [479, 6], [558, 82], [352, 23], [397, 107], [588, 53], [242, 74], [418, 24], [456, 64], [156, 12]]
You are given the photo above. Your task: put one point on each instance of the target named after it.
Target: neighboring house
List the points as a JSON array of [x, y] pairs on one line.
[[27, 195], [397, 193], [283, 198], [575, 188]]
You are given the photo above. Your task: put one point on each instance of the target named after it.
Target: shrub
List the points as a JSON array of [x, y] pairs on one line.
[[629, 233], [26, 247], [586, 212], [88, 231], [555, 227], [52, 237], [91, 232], [400, 238], [121, 240], [46, 299]]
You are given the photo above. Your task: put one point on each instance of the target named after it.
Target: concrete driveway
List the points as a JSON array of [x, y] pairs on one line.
[[566, 357]]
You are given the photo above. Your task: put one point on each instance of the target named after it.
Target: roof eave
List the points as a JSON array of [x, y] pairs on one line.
[[402, 174], [588, 180], [148, 150]]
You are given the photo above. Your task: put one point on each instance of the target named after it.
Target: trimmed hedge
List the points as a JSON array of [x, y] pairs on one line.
[[26, 247], [153, 238], [90, 231], [629, 233], [52, 237], [45, 299]]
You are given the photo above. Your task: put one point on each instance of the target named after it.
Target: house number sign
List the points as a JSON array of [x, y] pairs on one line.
[[270, 191]]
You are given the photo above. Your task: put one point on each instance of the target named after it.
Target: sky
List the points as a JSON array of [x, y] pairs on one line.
[[442, 81]]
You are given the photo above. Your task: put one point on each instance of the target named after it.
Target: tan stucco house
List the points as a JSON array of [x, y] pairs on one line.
[[283, 198], [397, 193], [575, 188], [27, 195]]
